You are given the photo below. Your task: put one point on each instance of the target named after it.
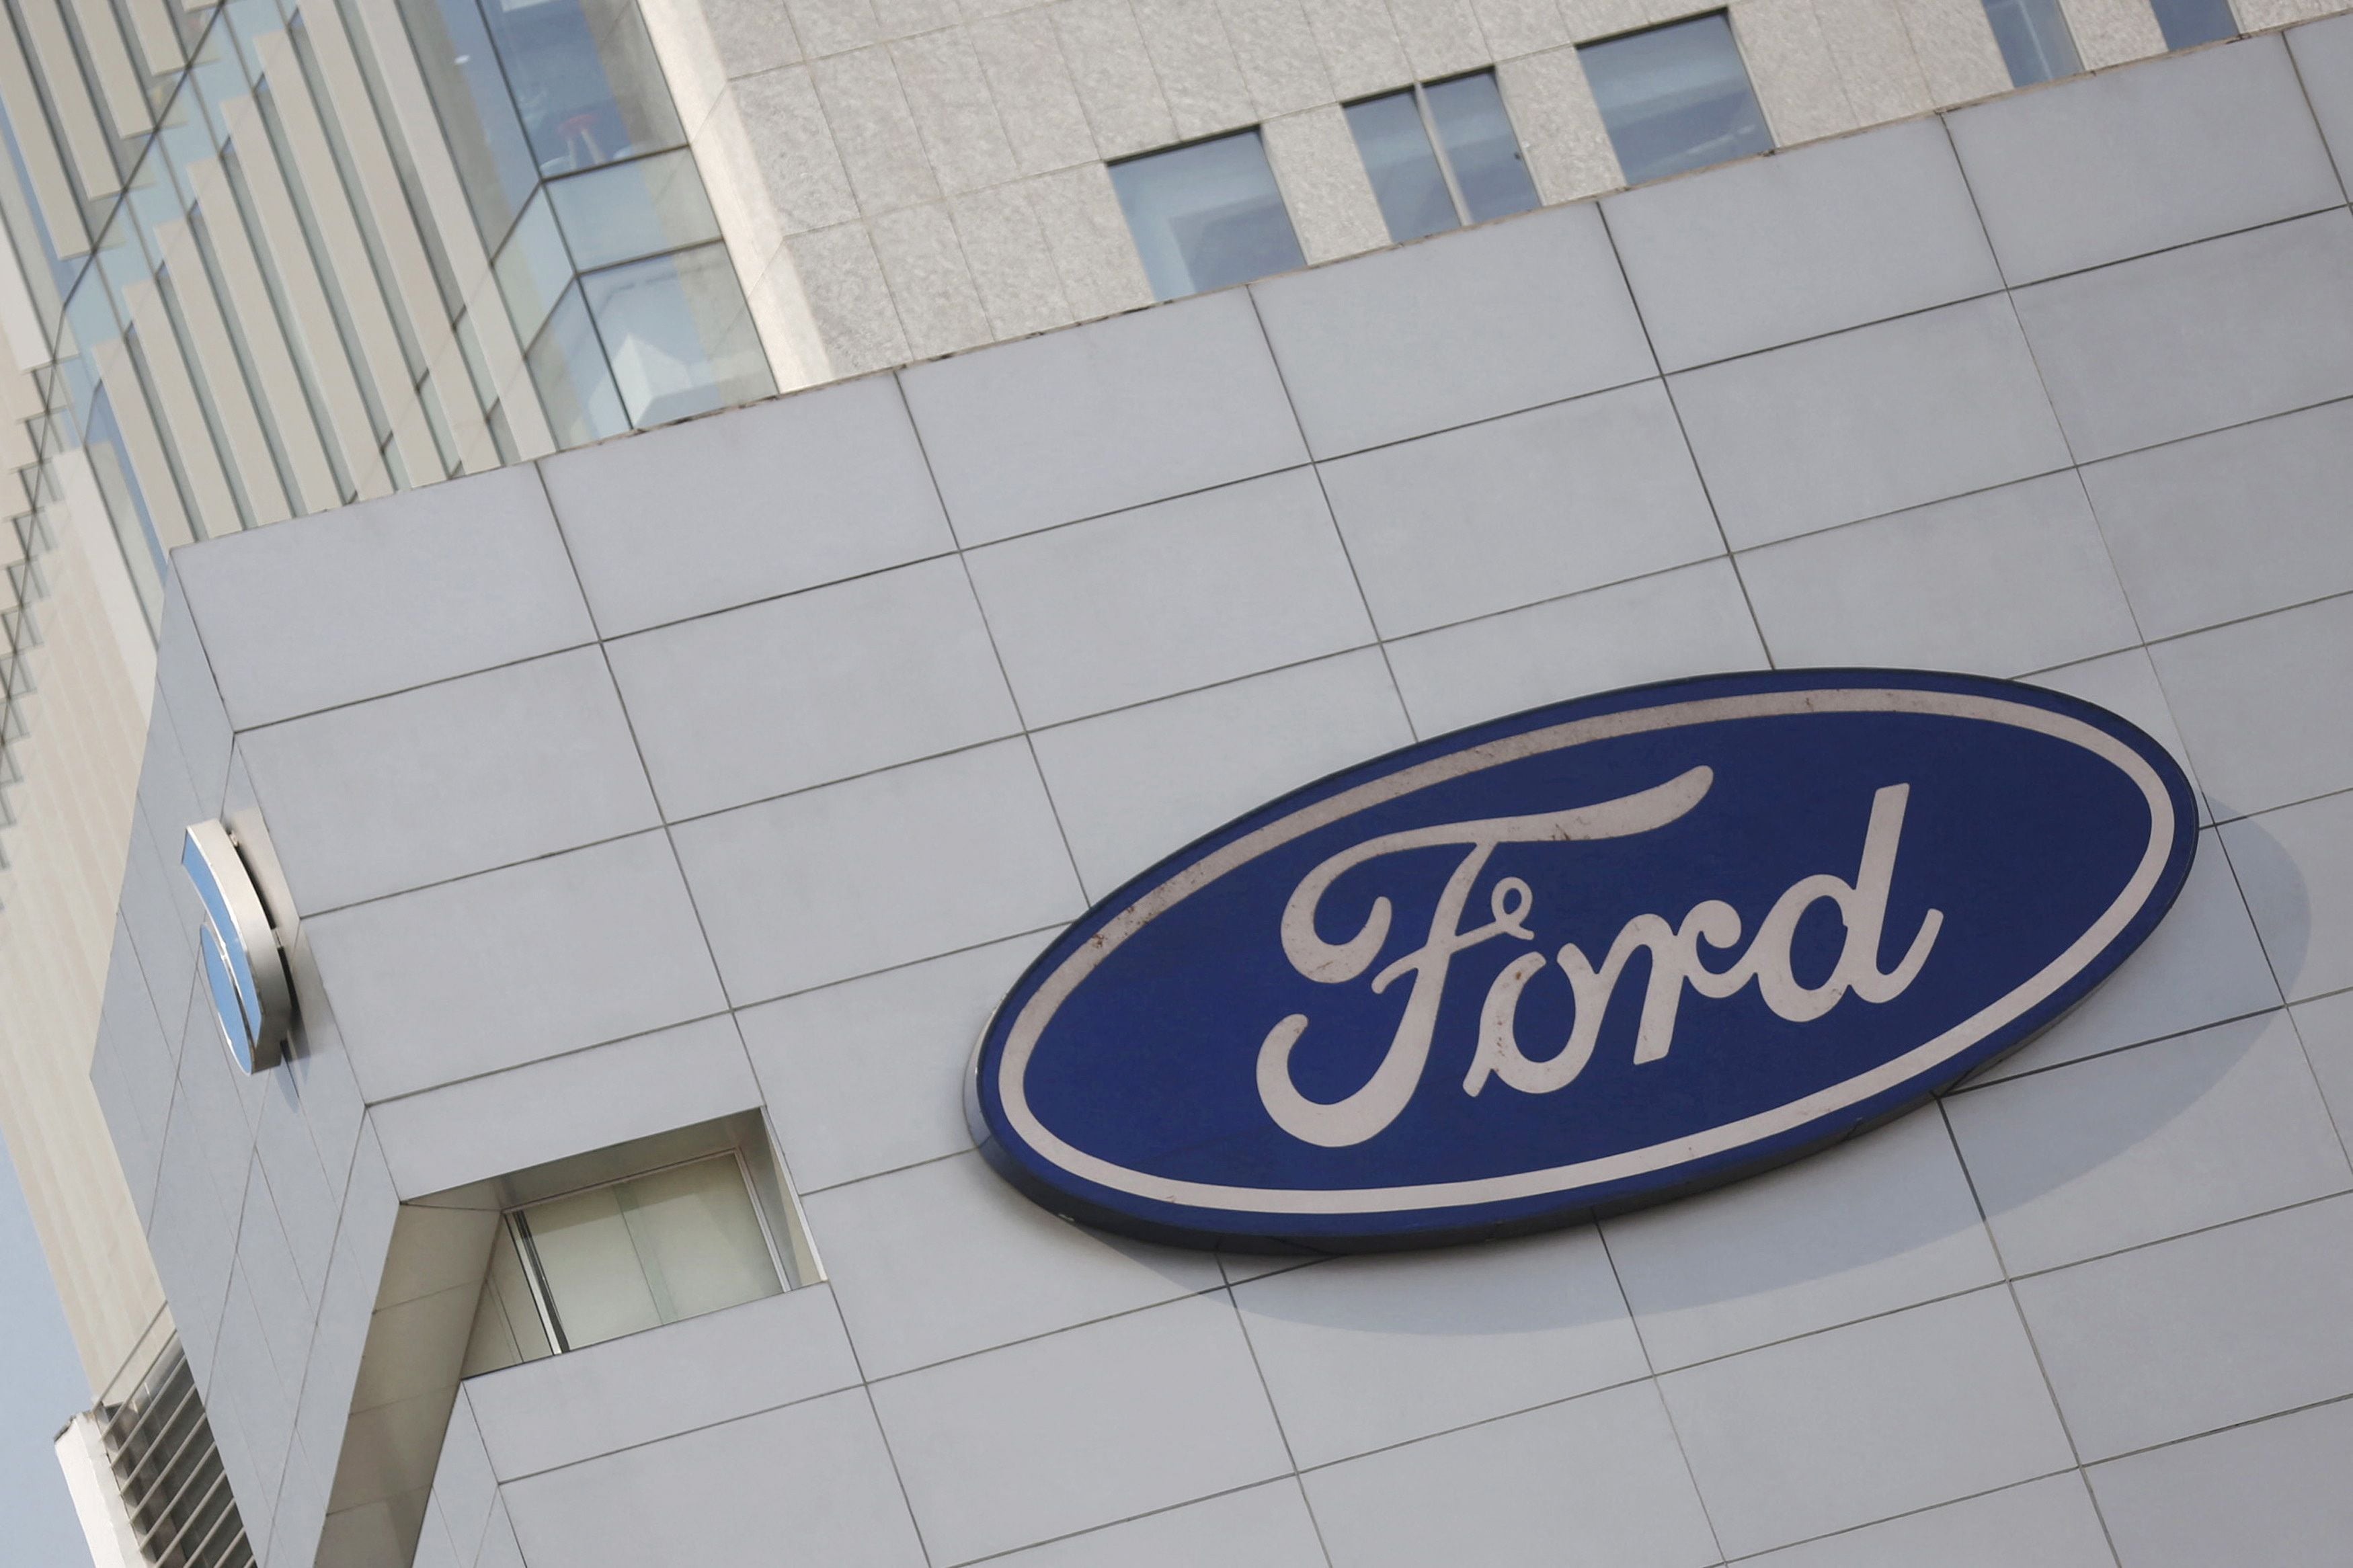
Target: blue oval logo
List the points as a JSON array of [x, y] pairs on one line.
[[1581, 959]]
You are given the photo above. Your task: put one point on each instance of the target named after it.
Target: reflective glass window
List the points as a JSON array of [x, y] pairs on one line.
[[1480, 145], [45, 273], [249, 22], [1441, 155], [1407, 180], [217, 78], [637, 1254], [477, 365], [1206, 215], [470, 93], [2187, 23], [1675, 98], [533, 268], [2036, 43], [633, 209], [567, 370], [676, 336], [503, 439], [126, 504], [585, 81], [508, 1327]]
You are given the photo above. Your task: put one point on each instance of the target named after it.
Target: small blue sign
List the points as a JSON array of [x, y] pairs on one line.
[[1581, 959], [244, 972]]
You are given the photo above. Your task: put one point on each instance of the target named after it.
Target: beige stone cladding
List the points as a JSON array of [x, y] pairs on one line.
[[905, 179]]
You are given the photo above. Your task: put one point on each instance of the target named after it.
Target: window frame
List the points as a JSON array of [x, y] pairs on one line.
[[517, 1231], [1256, 131], [1441, 154], [1586, 53], [1438, 143]]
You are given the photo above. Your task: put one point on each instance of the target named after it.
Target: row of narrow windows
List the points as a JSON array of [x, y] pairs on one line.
[[1442, 154]]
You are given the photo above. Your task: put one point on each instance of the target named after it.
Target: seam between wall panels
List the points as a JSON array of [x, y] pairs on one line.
[[2295, 68], [1658, 1390], [1274, 1411], [1647, 1378], [2018, 1485], [1004, 678], [1055, 926], [1111, 1524], [125, 943], [1691, 453], [874, 1414], [702, 929], [470, 1554], [2042, 381], [318, 1326], [1973, 1085], [2025, 1330], [665, 825], [1332, 518], [2005, 1283], [2271, 965], [1206, 489]]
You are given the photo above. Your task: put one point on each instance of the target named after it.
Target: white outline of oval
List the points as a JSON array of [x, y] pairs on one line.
[[1021, 1039]]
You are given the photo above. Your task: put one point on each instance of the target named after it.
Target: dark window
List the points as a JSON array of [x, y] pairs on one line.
[[2187, 23], [1675, 98], [1441, 155], [2036, 43], [1206, 215]]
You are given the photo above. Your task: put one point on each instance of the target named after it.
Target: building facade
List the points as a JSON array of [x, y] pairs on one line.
[[653, 826], [654, 819]]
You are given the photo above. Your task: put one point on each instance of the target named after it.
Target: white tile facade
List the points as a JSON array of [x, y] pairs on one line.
[[840, 705]]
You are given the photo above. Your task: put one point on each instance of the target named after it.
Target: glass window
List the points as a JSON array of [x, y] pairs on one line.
[[1441, 155], [628, 210], [486, 140], [1407, 179], [533, 268], [568, 368], [1481, 148], [2187, 23], [2036, 43], [126, 504], [657, 1248], [1206, 215], [1675, 98], [678, 335], [584, 80]]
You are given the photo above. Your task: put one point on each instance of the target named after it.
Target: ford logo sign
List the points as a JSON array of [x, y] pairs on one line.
[[1581, 959], [244, 969]]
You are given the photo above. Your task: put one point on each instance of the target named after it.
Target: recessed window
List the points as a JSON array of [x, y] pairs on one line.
[[1675, 98], [2188, 22], [2036, 43], [1207, 215], [667, 1242], [1441, 155]]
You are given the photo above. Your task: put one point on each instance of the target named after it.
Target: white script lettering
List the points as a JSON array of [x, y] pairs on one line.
[[1675, 956]]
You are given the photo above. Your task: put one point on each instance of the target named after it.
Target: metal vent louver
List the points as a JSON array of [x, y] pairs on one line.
[[170, 1472]]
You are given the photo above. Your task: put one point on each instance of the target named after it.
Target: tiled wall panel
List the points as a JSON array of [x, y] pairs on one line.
[[904, 672]]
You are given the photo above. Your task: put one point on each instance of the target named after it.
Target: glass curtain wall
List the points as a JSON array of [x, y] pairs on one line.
[[249, 298], [574, 167]]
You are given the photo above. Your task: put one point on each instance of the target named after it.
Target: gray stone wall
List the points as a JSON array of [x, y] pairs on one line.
[[745, 763]]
